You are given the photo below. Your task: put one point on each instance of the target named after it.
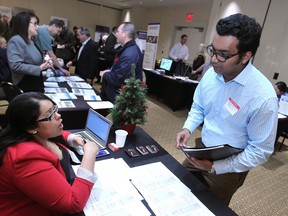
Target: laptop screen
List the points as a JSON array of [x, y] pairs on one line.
[[166, 64], [98, 125]]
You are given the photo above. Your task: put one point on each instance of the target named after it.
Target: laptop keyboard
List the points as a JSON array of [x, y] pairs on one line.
[[86, 136]]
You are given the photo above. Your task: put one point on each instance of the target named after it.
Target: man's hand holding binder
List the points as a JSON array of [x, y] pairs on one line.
[[181, 140]]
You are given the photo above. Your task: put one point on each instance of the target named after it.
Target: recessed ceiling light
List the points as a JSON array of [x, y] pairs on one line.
[[140, 2]]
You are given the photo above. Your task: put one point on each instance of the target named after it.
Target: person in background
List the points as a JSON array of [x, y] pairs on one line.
[[237, 105], [109, 48], [6, 31], [180, 54], [24, 58], [281, 89], [5, 72], [3, 42], [76, 42], [64, 44], [101, 58], [86, 60], [44, 40], [139, 42], [129, 54], [36, 177]]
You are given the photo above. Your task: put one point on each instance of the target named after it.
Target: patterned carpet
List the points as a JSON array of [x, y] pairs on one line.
[[264, 192]]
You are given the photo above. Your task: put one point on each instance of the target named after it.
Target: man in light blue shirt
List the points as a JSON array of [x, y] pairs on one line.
[[236, 103]]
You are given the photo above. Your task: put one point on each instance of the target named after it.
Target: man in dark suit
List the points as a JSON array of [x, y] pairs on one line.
[[109, 48], [86, 60]]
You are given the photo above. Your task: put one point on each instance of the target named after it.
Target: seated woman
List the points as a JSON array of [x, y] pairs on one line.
[[281, 89], [36, 177]]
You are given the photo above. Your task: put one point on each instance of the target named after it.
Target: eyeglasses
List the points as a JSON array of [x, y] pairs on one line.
[[221, 57], [34, 23], [51, 116]]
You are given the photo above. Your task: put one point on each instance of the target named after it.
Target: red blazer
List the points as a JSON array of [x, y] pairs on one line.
[[32, 182]]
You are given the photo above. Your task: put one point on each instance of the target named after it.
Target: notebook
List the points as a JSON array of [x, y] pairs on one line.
[[97, 129]]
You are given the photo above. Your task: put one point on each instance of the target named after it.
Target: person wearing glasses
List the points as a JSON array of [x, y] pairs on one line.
[[238, 106], [24, 58], [36, 177]]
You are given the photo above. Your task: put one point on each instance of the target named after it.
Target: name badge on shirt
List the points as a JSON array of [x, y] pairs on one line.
[[231, 106]]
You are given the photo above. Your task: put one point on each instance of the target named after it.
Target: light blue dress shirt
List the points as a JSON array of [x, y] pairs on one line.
[[241, 113]]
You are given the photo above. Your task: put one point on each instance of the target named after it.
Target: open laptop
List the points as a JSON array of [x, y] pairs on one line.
[[97, 129]]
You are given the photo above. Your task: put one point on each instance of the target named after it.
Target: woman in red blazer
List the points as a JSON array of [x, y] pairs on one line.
[[36, 177]]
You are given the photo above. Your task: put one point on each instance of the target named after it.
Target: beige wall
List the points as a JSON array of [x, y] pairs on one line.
[[171, 17], [77, 13]]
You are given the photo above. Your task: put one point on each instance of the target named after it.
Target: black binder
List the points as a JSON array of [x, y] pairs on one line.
[[211, 153]]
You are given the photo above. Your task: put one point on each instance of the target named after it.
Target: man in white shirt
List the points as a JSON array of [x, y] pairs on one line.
[[139, 42], [180, 54]]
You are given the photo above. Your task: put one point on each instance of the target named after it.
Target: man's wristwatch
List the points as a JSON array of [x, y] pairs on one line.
[[212, 169]]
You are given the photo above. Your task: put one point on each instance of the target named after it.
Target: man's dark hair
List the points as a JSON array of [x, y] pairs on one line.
[[244, 28], [58, 23], [184, 35], [281, 86]]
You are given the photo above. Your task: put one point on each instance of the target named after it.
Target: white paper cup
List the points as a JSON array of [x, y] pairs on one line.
[[121, 137]]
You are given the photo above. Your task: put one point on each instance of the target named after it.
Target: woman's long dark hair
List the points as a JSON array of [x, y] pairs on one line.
[[22, 113], [21, 24]]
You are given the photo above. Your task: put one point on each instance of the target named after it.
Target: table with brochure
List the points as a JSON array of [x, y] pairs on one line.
[[74, 98], [151, 184]]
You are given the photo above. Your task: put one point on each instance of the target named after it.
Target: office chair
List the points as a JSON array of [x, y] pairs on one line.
[[2, 98], [10, 90]]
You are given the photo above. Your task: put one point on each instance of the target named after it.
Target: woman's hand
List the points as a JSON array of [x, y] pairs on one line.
[[90, 147]]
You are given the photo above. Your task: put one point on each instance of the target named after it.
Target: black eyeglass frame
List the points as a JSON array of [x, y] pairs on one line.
[[222, 55], [34, 23], [51, 116]]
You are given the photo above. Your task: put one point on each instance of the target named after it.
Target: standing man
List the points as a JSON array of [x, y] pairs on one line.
[[44, 40], [86, 60], [109, 48], [129, 54], [238, 106], [64, 43], [180, 54]]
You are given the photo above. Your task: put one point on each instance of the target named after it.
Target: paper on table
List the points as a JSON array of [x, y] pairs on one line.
[[56, 90], [74, 79], [281, 116], [79, 85], [65, 104], [100, 104], [112, 196], [66, 95], [51, 84], [165, 193], [56, 79]]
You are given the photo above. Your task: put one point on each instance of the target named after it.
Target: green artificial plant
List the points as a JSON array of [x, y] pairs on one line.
[[130, 104]]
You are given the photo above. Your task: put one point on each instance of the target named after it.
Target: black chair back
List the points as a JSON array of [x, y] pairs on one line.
[[10, 90]]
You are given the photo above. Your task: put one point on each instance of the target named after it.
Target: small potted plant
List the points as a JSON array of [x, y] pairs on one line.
[[130, 105]]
